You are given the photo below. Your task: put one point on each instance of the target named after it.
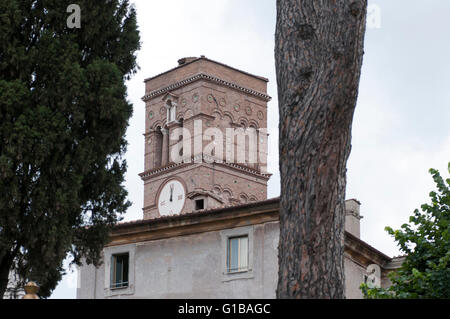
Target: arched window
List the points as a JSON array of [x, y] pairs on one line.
[[158, 147]]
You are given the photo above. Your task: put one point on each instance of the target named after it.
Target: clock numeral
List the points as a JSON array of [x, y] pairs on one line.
[[180, 197], [162, 203]]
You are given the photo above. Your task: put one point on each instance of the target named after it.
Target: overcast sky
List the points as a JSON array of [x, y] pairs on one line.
[[401, 126]]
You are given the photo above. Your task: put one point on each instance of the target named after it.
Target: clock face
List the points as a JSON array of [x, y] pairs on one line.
[[171, 198]]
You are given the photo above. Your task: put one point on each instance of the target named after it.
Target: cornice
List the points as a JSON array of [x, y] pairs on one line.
[[205, 160], [230, 217], [210, 78], [363, 252], [196, 222], [242, 168], [163, 169]]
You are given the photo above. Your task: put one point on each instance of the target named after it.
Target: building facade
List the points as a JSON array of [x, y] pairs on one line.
[[209, 230]]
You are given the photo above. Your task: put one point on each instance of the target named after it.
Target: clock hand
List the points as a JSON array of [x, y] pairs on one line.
[[171, 192]]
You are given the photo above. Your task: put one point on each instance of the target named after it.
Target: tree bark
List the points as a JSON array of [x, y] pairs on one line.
[[318, 55]]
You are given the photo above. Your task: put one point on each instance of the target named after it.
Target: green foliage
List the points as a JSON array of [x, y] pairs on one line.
[[426, 242], [63, 115]]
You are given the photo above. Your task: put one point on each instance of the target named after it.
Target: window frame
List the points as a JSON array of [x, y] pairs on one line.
[[108, 252], [233, 233], [113, 272], [230, 254], [197, 200]]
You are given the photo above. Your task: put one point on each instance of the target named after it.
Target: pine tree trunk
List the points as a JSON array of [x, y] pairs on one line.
[[318, 54]]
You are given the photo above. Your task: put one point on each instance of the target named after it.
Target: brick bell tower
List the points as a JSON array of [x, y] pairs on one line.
[[216, 108]]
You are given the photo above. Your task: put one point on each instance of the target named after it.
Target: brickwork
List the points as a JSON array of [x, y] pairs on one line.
[[223, 99]]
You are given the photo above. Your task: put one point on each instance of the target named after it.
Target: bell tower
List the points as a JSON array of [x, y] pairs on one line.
[[205, 138]]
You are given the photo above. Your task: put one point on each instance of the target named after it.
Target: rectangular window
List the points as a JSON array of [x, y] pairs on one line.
[[119, 270], [237, 254], [199, 204]]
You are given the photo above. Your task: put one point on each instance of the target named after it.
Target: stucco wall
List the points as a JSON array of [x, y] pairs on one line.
[[191, 267], [354, 276], [194, 267]]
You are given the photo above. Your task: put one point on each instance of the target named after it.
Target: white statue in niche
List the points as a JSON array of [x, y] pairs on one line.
[[373, 276]]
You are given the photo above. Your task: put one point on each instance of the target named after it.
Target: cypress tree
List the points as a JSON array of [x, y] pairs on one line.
[[63, 114]]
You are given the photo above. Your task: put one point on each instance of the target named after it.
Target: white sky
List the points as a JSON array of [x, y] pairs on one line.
[[401, 126]]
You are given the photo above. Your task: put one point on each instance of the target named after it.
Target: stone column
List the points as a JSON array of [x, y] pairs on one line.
[[165, 147]]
